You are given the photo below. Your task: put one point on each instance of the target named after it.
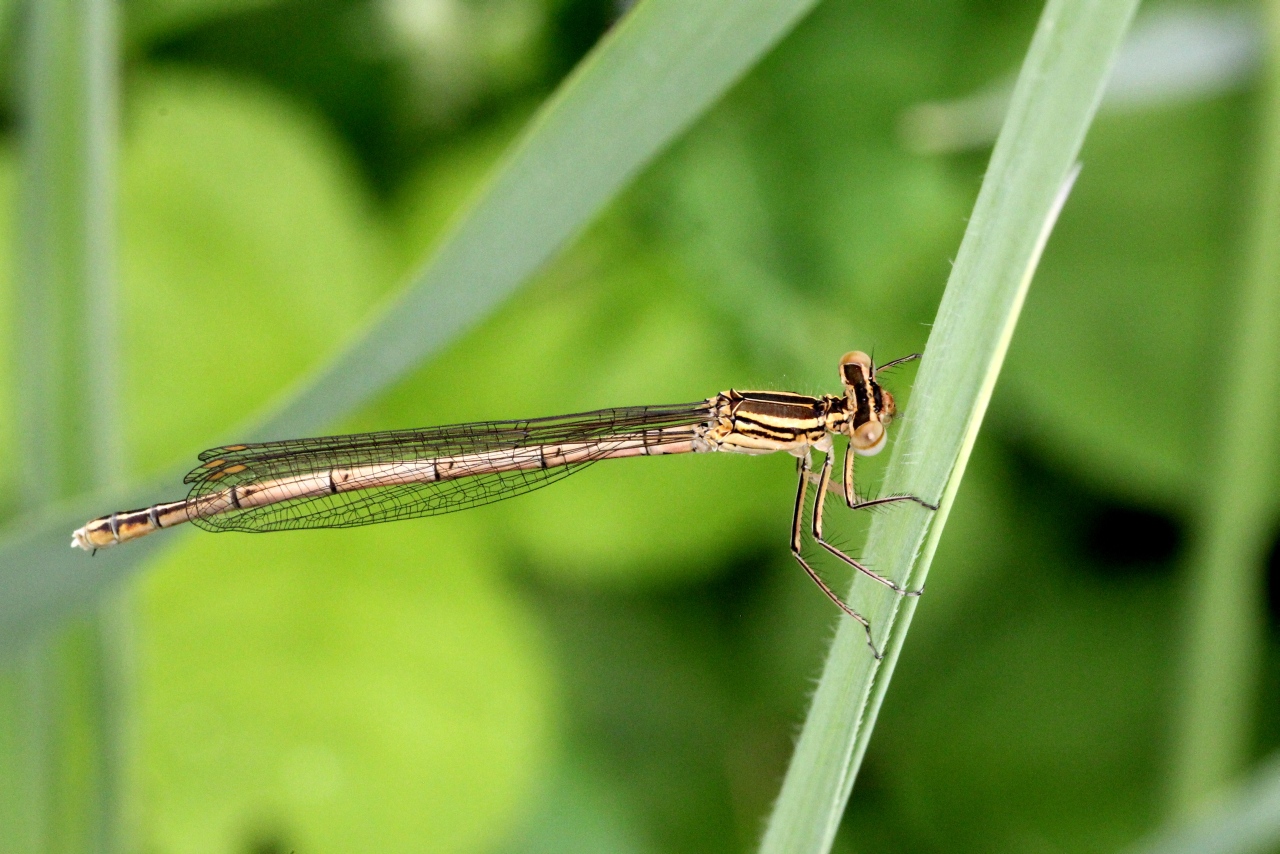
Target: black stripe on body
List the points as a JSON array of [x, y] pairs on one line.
[[124, 522], [782, 429], [784, 397], [858, 385], [806, 413], [781, 417]]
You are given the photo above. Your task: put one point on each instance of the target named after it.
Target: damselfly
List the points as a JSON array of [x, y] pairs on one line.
[[344, 481]]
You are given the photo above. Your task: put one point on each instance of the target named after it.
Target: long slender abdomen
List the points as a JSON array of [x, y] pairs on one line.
[[131, 524]]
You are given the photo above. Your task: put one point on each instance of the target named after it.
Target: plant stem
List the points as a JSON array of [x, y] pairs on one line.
[[1030, 173], [1225, 591], [66, 404]]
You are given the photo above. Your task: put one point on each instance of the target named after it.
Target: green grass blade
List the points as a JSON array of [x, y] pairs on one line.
[[1228, 570], [61, 705], [1245, 821], [1054, 101], [656, 74], [65, 348], [659, 69]]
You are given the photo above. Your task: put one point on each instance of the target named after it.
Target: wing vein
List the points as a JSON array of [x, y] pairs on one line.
[[363, 479]]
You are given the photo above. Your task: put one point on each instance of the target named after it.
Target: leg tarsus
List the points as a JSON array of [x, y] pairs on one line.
[[831, 594], [850, 489], [869, 573], [890, 499]]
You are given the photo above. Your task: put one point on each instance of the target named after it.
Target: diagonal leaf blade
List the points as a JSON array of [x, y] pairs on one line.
[[1057, 93], [660, 68]]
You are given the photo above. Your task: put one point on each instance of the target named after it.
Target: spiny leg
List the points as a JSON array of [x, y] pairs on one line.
[[824, 479], [851, 493], [797, 529]]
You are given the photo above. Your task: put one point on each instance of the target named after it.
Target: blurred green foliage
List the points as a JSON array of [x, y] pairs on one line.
[[272, 710], [1158, 215], [270, 255], [619, 663], [8, 434]]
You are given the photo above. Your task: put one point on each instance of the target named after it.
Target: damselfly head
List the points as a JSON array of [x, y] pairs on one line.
[[870, 407]]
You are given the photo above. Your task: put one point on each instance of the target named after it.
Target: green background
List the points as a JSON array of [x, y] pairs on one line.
[[620, 663]]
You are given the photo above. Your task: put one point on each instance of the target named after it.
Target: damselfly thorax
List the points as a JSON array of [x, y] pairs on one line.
[[366, 478]]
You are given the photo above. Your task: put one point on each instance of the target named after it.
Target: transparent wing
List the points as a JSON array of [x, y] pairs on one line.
[[488, 461]]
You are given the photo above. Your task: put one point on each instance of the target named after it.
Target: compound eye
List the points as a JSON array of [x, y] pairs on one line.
[[868, 440], [847, 362]]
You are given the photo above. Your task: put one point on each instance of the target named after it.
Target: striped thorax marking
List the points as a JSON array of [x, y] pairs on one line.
[[761, 422]]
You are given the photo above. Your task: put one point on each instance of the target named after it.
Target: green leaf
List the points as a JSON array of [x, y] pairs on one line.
[[250, 248], [1030, 172], [657, 71], [296, 693], [320, 720], [148, 20]]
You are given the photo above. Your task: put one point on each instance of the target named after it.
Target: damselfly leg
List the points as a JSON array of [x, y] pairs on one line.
[[850, 492], [822, 480], [797, 532], [853, 502]]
